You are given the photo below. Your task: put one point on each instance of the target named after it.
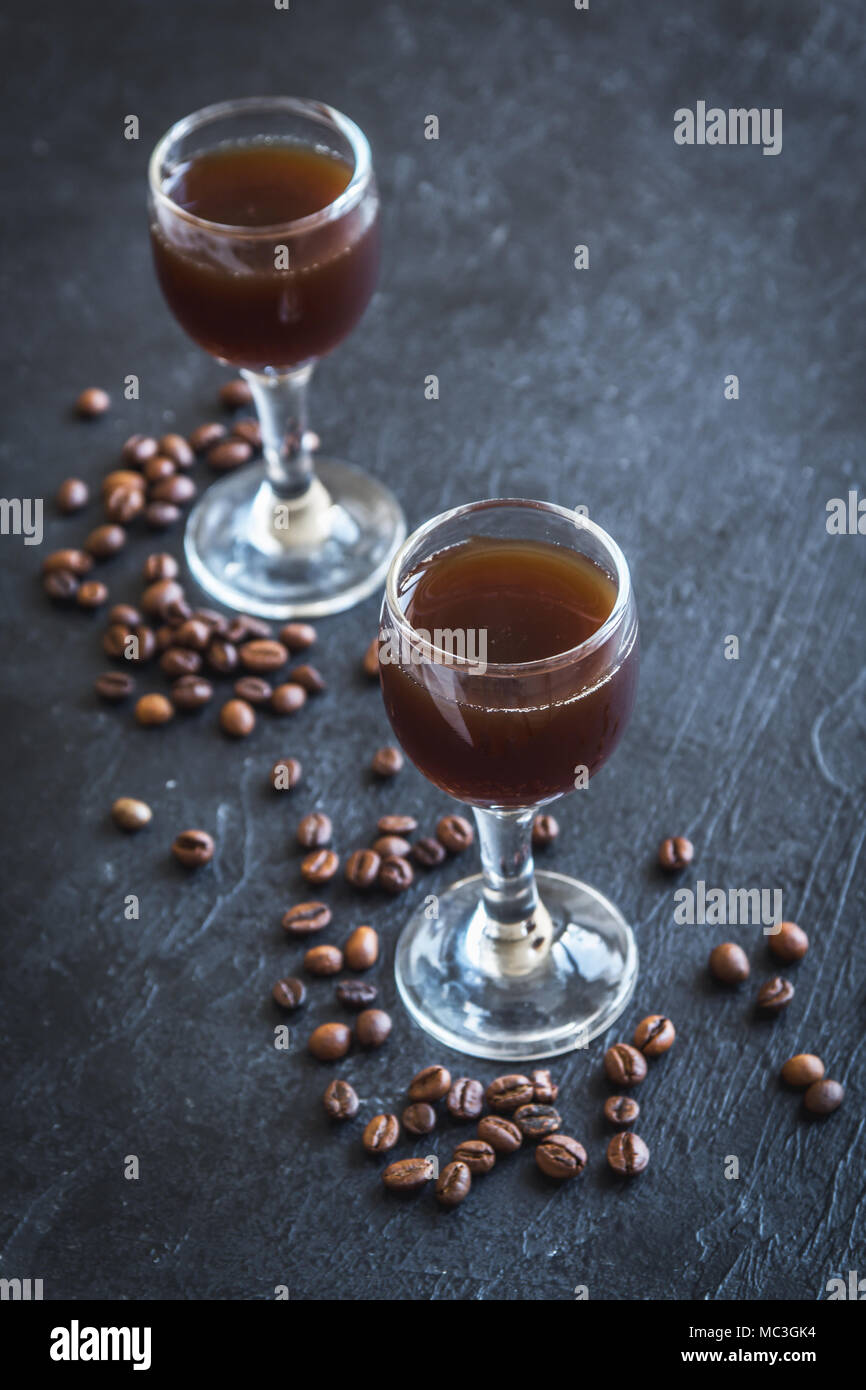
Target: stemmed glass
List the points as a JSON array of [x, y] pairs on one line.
[[510, 963], [284, 538]]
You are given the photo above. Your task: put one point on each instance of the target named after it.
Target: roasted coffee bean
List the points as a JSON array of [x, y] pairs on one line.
[[131, 814], [114, 686], [387, 762], [143, 648], [319, 866], [263, 655], [477, 1154], [72, 495], [729, 963], [115, 640], [789, 943], [253, 689], [560, 1157], [501, 1134], [544, 1088], [391, 846], [252, 628], [395, 874], [176, 448], [297, 636], [285, 774], [356, 994], [159, 596], [158, 468], [803, 1069], [122, 478], [123, 504], [624, 1065], [250, 431], [192, 633], [151, 710], [289, 993], [465, 1098], [105, 541], [314, 830], [228, 454], [92, 402], [221, 656], [308, 678], [160, 515], [191, 693], [329, 1041], [205, 436], [237, 718], [340, 1100], [77, 562], [177, 615], [453, 1184], [431, 1083], [362, 949], [544, 831], [396, 825], [124, 614], [235, 393], [60, 585], [506, 1093], [324, 960], [180, 661], [676, 853], [408, 1174], [621, 1110], [537, 1121], [428, 852], [362, 868], [159, 566], [370, 661], [419, 1118], [305, 918], [381, 1133], [654, 1035], [288, 698], [455, 833], [627, 1154], [824, 1096], [138, 449], [193, 848], [373, 1027], [775, 994], [178, 490]]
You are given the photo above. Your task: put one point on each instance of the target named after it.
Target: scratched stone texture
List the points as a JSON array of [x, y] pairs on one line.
[[602, 387]]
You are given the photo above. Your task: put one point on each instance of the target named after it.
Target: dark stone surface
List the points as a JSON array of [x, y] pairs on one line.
[[605, 387]]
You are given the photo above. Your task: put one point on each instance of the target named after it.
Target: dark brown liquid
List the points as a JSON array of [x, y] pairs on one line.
[[511, 739], [230, 293]]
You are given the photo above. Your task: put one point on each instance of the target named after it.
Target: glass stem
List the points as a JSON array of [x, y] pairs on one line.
[[510, 894], [281, 405]]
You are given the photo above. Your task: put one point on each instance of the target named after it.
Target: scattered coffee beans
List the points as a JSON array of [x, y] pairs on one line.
[[775, 994], [253, 689], [803, 1069], [395, 874], [419, 1118], [627, 1154], [305, 918], [729, 963], [105, 541], [387, 762], [192, 848], [455, 833], [130, 814], [138, 449], [262, 655], [676, 853], [654, 1035], [314, 830], [237, 718], [544, 1088], [176, 448], [72, 495], [60, 585], [91, 594], [396, 825], [340, 1100], [297, 636], [431, 1083], [381, 1134], [372, 1027], [288, 698], [624, 1065], [501, 1134], [823, 1097], [621, 1110], [308, 678], [235, 394], [319, 866], [408, 1174], [506, 1093], [289, 993], [477, 1154], [356, 994], [77, 562], [391, 846], [151, 710], [285, 774], [324, 960], [453, 1184], [329, 1041], [113, 686], [537, 1121], [428, 852], [560, 1157], [362, 868], [191, 693], [92, 403], [205, 436], [789, 943], [465, 1098], [362, 949], [544, 831]]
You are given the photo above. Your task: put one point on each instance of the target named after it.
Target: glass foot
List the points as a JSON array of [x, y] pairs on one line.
[[279, 560], [542, 995]]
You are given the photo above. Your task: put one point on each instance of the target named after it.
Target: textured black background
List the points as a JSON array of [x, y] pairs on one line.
[[604, 387]]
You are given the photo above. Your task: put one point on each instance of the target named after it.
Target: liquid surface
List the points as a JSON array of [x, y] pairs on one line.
[[258, 184]]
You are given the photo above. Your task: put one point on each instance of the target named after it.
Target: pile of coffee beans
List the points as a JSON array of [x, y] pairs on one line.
[[385, 864], [625, 1066]]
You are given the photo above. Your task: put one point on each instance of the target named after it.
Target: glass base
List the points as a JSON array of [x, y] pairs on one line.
[[276, 560], [538, 996]]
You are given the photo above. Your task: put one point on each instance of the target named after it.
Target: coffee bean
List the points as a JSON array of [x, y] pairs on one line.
[[431, 1083], [263, 655], [789, 943], [501, 1134], [305, 918], [408, 1174], [123, 504], [180, 661], [477, 1154], [245, 627], [298, 636], [419, 1118], [453, 1184], [319, 866], [308, 678], [775, 994], [159, 468], [395, 874], [176, 448], [356, 994], [340, 1100], [676, 853], [544, 1088], [61, 586], [362, 868], [105, 541], [237, 719], [205, 436], [192, 633], [250, 431], [387, 762], [621, 1110], [362, 949], [624, 1065], [627, 1154], [228, 454], [803, 1069], [428, 852], [143, 647], [654, 1035], [72, 495], [236, 393], [824, 1096], [131, 814], [465, 1098], [288, 698], [115, 640], [253, 689], [560, 1157], [178, 490], [391, 846], [324, 960], [193, 848], [124, 615], [114, 686], [537, 1121], [160, 566], [314, 830], [159, 595], [544, 831], [77, 562], [191, 693], [285, 774], [372, 1027], [151, 710], [138, 449], [221, 656], [160, 515], [381, 1133], [506, 1093], [92, 403], [396, 825], [729, 963], [329, 1041], [164, 637], [370, 662], [455, 833], [91, 594], [289, 993]]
